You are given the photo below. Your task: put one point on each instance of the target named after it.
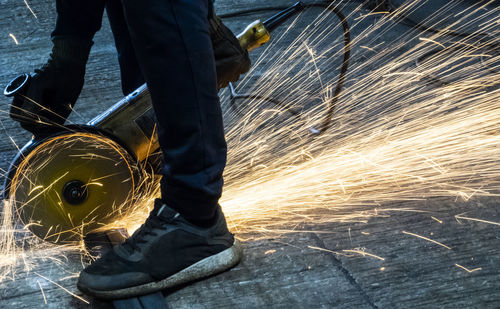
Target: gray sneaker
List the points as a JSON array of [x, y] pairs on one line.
[[164, 252]]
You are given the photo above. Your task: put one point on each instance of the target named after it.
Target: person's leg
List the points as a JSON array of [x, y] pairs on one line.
[[77, 18], [54, 88], [185, 237], [131, 74], [173, 46]]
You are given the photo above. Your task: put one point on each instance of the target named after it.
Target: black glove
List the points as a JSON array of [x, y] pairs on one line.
[[231, 59], [53, 89]]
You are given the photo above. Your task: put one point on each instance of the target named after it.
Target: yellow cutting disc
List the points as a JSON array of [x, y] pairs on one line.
[[71, 184]]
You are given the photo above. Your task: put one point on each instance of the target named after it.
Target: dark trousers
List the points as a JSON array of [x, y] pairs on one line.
[[166, 43]]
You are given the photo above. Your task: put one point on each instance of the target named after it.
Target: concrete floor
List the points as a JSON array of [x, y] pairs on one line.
[[282, 272]]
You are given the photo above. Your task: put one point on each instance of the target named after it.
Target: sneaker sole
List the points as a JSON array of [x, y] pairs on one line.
[[209, 266]]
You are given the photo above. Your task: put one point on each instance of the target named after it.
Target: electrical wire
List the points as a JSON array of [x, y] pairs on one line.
[[491, 45], [326, 123], [420, 26], [326, 4], [277, 8], [234, 95], [252, 11]]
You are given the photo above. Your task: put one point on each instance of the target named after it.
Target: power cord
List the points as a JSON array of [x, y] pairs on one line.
[[345, 64], [388, 5]]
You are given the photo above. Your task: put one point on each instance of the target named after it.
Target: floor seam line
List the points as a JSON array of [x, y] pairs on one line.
[[345, 271]]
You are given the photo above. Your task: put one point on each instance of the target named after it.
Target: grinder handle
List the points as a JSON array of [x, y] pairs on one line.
[[17, 85]]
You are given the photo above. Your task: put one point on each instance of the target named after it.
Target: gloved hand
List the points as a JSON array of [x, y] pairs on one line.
[[54, 88], [231, 59]]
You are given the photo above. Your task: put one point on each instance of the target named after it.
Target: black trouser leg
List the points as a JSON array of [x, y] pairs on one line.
[[131, 74], [78, 18], [173, 47]]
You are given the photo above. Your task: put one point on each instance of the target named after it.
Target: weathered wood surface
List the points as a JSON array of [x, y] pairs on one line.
[[283, 272]]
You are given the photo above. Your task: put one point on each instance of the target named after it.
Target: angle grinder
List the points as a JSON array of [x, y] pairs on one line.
[[83, 177]]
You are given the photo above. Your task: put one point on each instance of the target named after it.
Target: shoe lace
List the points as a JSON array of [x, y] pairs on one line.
[[152, 224]]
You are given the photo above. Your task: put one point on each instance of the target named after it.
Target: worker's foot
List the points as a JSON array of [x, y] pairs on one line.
[[231, 59], [166, 251]]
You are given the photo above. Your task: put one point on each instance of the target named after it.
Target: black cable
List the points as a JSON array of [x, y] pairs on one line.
[[324, 3], [343, 70], [493, 46], [235, 95], [340, 82], [440, 81], [420, 26], [251, 11]]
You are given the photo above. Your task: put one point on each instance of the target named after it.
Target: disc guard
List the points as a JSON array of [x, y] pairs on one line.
[[71, 184]]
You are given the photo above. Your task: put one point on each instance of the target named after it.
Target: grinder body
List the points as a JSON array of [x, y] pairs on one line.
[[82, 178], [132, 119]]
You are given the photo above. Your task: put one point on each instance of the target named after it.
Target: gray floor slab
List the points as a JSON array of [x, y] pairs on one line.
[[382, 263]]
